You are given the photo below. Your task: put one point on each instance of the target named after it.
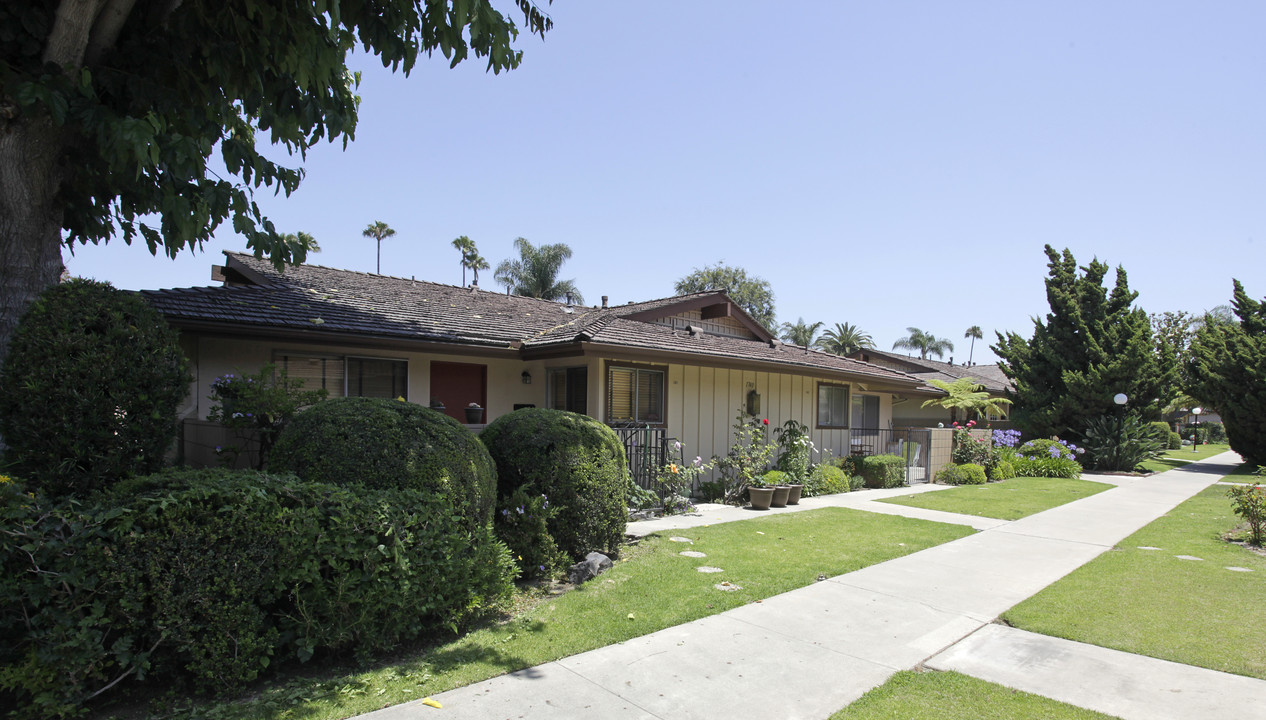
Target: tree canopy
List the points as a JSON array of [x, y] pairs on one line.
[[379, 231], [925, 343], [968, 397], [1092, 345], [800, 333], [752, 293], [844, 339], [116, 115], [471, 259], [535, 273], [1227, 370]]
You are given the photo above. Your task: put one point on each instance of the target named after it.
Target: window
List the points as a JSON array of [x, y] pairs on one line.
[[866, 412], [348, 376], [832, 406], [568, 389], [635, 395]]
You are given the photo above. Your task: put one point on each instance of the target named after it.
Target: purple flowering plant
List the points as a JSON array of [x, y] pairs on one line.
[[258, 407]]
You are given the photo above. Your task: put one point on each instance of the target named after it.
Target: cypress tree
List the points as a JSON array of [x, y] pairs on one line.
[[1227, 366], [1092, 345]]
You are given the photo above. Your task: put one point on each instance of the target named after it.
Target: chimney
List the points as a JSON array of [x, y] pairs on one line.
[[604, 302], [951, 359], [568, 299]]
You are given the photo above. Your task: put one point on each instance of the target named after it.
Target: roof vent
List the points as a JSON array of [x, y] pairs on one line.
[[692, 330], [604, 302]]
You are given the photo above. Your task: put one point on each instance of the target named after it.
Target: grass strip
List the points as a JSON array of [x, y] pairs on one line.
[[652, 588], [1153, 603], [953, 696], [1006, 500], [1171, 459]]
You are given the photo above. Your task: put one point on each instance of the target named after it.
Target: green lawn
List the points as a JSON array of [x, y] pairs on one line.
[[951, 696], [652, 588], [1150, 602], [1006, 500], [1171, 459]]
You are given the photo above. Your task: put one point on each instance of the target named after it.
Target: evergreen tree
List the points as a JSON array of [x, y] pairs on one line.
[[752, 293], [1092, 346], [1227, 367]]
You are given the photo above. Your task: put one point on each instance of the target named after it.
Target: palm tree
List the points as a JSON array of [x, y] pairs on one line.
[[466, 247], [378, 230], [800, 333], [925, 343], [844, 339], [475, 262], [535, 273], [975, 334], [303, 239]]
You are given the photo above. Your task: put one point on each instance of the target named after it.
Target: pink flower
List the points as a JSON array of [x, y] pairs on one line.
[[764, 421]]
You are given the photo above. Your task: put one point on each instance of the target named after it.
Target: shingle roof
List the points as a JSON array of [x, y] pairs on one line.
[[990, 376], [325, 300]]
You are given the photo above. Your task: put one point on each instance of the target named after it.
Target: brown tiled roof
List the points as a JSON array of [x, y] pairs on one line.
[[323, 300], [990, 376]]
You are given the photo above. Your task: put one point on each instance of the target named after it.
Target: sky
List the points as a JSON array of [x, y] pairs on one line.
[[890, 165]]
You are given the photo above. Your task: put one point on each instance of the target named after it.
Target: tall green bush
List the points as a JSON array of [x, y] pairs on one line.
[[380, 443], [209, 578], [883, 471], [1228, 372], [90, 388], [576, 462]]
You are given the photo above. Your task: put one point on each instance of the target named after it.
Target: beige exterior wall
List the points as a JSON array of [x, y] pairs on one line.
[[702, 403]]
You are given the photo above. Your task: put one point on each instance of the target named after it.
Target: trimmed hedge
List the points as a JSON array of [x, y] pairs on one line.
[[90, 388], [883, 471], [825, 479], [390, 444], [1175, 441], [1000, 470], [965, 474], [576, 462], [209, 577]]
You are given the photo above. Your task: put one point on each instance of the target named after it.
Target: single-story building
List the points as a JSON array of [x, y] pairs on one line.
[[678, 367], [912, 413]]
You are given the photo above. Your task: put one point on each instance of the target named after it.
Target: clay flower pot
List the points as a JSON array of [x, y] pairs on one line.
[[780, 496], [760, 497], [793, 497]]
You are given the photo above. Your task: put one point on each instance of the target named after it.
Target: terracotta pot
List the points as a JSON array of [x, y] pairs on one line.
[[793, 497], [760, 497], [780, 496]]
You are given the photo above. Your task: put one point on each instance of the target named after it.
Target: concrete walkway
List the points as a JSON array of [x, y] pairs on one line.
[[812, 651]]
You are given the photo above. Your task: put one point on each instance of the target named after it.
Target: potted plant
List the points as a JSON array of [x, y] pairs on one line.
[[474, 414], [437, 404], [760, 495], [777, 479], [795, 445]]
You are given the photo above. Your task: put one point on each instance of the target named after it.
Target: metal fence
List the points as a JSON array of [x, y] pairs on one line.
[[646, 450], [912, 444]]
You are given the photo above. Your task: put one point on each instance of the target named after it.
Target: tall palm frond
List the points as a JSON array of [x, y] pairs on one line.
[[925, 343], [535, 273], [800, 332], [844, 339], [466, 247], [379, 231], [975, 333], [969, 397]]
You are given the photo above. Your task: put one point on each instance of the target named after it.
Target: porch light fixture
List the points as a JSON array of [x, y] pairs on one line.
[[527, 377]]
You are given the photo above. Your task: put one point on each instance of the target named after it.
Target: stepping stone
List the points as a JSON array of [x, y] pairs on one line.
[[1148, 547], [709, 569], [1238, 569], [680, 539], [1188, 557], [726, 587], [692, 553]]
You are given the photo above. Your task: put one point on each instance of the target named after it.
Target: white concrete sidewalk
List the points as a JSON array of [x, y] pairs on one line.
[[810, 652]]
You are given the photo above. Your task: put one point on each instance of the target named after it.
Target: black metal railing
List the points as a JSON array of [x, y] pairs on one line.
[[912, 444], [646, 450]]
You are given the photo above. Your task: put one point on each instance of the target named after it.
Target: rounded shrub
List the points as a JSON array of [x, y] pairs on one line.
[[576, 462], [210, 578], [825, 479], [390, 444], [966, 474], [883, 471], [90, 388], [1001, 470], [1175, 441]]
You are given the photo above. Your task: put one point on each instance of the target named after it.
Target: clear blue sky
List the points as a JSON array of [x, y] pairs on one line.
[[886, 164]]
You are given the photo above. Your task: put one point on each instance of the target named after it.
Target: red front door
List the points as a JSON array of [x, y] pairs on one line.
[[457, 385]]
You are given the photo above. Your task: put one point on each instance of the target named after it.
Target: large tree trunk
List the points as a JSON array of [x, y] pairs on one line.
[[30, 216]]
